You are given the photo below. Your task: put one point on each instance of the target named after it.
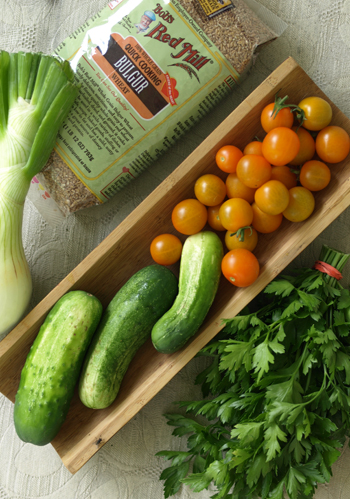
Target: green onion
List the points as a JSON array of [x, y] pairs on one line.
[[36, 94]]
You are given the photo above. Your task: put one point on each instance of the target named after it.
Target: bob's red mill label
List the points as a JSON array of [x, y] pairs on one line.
[[147, 72], [137, 76], [212, 8]]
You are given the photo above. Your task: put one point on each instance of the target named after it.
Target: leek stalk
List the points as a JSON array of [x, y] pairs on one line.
[[37, 92]]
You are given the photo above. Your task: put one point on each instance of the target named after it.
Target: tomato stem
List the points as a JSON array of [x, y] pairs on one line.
[[296, 172], [280, 103], [240, 233]]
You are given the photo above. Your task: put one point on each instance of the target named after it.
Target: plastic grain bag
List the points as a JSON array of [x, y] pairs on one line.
[[148, 70]]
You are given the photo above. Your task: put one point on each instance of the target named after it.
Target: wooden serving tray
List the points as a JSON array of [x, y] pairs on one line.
[[126, 250]]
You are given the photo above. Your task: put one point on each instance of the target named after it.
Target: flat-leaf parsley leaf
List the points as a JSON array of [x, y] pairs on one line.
[[276, 397]]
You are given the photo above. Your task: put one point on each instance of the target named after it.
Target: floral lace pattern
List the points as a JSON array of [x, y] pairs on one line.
[[318, 37]]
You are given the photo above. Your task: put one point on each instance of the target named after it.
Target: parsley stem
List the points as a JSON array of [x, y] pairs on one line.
[[308, 379], [322, 387], [335, 258]]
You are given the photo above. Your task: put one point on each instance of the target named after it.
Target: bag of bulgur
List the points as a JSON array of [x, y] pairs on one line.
[[149, 70]]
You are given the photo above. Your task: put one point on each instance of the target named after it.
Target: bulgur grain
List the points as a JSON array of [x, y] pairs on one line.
[[236, 32]]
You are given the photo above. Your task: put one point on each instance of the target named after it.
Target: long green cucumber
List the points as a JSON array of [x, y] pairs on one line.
[[125, 325], [53, 366], [200, 271]]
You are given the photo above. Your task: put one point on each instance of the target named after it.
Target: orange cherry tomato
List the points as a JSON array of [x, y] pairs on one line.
[[235, 213], [272, 197], [264, 222], [210, 190], [240, 267], [307, 147], [315, 175], [284, 175], [189, 216], [236, 189], [214, 218], [318, 113], [227, 158], [269, 121], [301, 204], [166, 249], [280, 146], [254, 147], [244, 238], [332, 144], [253, 170]]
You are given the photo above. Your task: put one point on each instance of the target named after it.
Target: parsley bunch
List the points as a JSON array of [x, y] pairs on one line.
[[276, 396]]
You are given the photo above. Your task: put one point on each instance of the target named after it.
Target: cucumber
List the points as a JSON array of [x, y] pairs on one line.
[[200, 272], [53, 366], [125, 325]]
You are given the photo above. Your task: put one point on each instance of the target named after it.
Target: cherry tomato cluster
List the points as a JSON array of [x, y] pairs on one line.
[[267, 181]]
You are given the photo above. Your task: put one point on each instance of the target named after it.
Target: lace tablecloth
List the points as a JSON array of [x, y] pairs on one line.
[[318, 37]]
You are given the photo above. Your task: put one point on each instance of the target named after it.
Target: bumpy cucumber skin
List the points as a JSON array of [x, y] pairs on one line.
[[200, 272], [125, 325], [53, 366]]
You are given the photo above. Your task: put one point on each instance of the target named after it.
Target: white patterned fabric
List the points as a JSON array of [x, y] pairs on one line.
[[318, 38]]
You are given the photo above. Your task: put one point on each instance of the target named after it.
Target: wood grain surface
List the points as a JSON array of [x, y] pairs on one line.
[[126, 250]]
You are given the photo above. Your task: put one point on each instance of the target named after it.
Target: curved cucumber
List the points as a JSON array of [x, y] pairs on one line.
[[53, 365], [200, 271], [125, 325]]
